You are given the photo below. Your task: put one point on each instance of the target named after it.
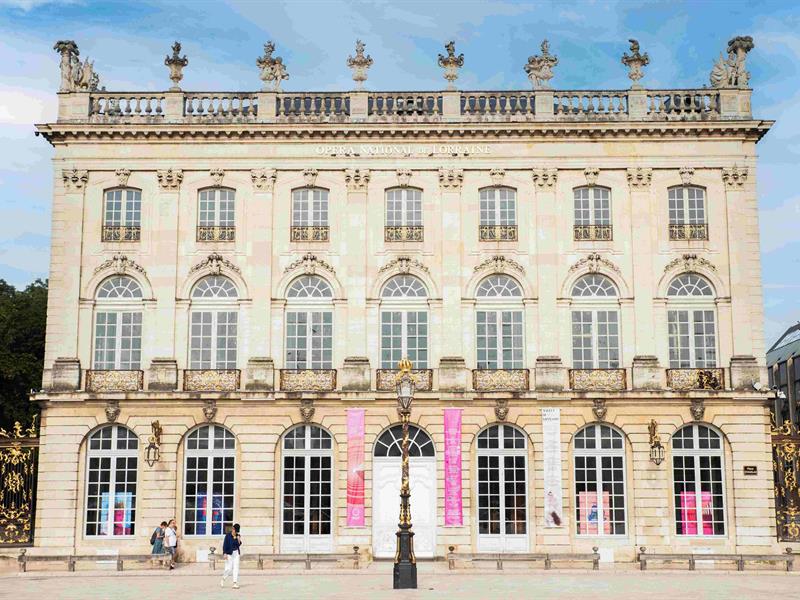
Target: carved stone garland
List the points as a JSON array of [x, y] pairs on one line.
[[499, 264], [593, 262], [214, 264], [689, 262], [309, 263], [119, 264], [403, 265]]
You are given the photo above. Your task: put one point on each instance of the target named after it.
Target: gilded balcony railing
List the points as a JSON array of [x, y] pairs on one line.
[[310, 233], [121, 233], [695, 379], [593, 233], [403, 233], [597, 380], [387, 379], [308, 380], [216, 233], [688, 231], [500, 380], [100, 380], [494, 233], [211, 380]]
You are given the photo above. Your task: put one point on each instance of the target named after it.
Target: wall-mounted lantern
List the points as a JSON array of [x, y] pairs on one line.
[[656, 449], [153, 451]]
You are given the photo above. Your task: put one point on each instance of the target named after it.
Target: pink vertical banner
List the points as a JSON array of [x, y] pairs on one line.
[[453, 514], [355, 467]]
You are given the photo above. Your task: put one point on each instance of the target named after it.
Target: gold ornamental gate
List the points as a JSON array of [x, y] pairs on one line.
[[18, 457], [786, 466]]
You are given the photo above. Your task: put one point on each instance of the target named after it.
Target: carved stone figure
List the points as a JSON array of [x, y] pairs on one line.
[[307, 410], [451, 64], [210, 409], [635, 63], [698, 409], [501, 409], [176, 62], [112, 410], [273, 71], [599, 408], [359, 64], [76, 76], [731, 72], [540, 68]]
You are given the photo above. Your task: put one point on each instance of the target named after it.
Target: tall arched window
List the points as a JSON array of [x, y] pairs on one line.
[[404, 322], [691, 323], [403, 215], [599, 481], [118, 325], [687, 213], [112, 455], [699, 481], [209, 480], [214, 324], [499, 323], [502, 489], [595, 323], [122, 215], [309, 324], [498, 214], [307, 490], [216, 215], [310, 215], [592, 213]]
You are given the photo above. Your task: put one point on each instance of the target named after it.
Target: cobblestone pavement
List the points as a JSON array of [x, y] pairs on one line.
[[375, 584]]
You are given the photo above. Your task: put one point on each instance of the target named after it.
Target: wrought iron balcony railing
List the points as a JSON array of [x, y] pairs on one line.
[[308, 380], [387, 379], [688, 231], [597, 380], [211, 380], [494, 233], [310, 233], [593, 233], [403, 233], [121, 233], [102, 380], [500, 380], [696, 379], [216, 233]]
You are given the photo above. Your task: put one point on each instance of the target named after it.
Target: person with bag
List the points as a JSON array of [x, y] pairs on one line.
[[171, 542], [231, 550], [157, 539]]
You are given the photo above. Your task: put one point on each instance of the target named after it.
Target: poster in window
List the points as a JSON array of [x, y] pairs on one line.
[[688, 512], [589, 514], [123, 511]]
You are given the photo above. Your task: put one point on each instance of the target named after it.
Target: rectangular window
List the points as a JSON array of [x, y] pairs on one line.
[[217, 208], [699, 504], [309, 340], [595, 339], [592, 206], [498, 206], [600, 495], [687, 214], [118, 341], [404, 334], [403, 207], [123, 207], [499, 339], [692, 339], [209, 494], [213, 340], [111, 495], [310, 207]]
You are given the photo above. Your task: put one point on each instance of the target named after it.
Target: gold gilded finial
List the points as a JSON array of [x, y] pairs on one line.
[[404, 366]]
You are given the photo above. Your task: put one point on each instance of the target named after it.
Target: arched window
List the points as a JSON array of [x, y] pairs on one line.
[[112, 455], [502, 489], [599, 481], [592, 213], [309, 324], [404, 322], [310, 215], [687, 213], [307, 490], [699, 481], [691, 323], [122, 215], [498, 214], [214, 324], [499, 323], [403, 215], [118, 325], [390, 442], [209, 480], [216, 215], [595, 323]]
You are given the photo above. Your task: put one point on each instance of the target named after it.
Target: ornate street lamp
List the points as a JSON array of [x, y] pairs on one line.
[[405, 564], [153, 450], [656, 449]]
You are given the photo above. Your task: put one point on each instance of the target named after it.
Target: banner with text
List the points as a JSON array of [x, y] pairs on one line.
[[551, 438], [453, 515], [355, 467]]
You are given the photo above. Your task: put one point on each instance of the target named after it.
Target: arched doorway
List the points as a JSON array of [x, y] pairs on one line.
[[386, 491]]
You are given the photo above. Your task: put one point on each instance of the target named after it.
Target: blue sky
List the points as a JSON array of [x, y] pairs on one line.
[[129, 39]]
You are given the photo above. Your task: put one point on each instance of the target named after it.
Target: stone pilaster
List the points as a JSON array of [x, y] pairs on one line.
[[452, 249], [355, 374], [644, 225], [261, 279], [356, 252], [260, 374], [545, 181]]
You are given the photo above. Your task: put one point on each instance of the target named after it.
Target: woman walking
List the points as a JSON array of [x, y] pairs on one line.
[[232, 553], [157, 539]]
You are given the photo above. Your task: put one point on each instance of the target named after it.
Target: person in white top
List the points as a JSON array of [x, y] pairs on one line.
[[232, 551], [171, 542]]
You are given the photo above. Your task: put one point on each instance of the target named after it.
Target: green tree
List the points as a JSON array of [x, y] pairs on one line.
[[23, 316]]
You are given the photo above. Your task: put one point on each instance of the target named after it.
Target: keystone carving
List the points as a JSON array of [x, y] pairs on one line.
[[698, 409], [307, 410], [501, 409], [263, 179], [359, 64], [403, 177], [451, 64], [403, 264], [214, 264], [545, 178], [210, 409], [591, 174], [540, 68], [686, 173], [499, 264], [689, 262], [119, 264], [112, 411], [734, 177], [593, 263], [217, 175], [309, 263], [599, 408], [122, 176], [451, 179], [356, 180], [176, 63], [640, 178], [731, 72], [310, 177], [635, 63], [170, 179], [74, 180], [497, 176]]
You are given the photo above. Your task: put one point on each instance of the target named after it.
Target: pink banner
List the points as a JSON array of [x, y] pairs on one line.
[[452, 467], [355, 467]]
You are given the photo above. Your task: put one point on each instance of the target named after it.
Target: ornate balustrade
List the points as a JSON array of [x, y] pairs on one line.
[[696, 379], [499, 104], [500, 380], [99, 381], [122, 105], [308, 380], [310, 233], [234, 106], [688, 231], [211, 380], [121, 233], [311, 106], [593, 233], [387, 379], [495, 233], [583, 104], [216, 233], [403, 233], [597, 380], [406, 106], [683, 104]]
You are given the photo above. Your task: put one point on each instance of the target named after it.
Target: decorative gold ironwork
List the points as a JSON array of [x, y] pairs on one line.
[[387, 379], [593, 232], [216, 233], [310, 233], [695, 379], [308, 380], [498, 380], [657, 451], [211, 380], [121, 233], [18, 459], [688, 231], [786, 469], [99, 381], [612, 380], [503, 233], [403, 233]]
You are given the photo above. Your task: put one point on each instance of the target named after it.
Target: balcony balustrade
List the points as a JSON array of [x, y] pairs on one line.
[[100, 381], [696, 379], [403, 233], [308, 380], [387, 379], [597, 380], [121, 233], [211, 380], [310, 233], [593, 233], [500, 380], [688, 231], [498, 233], [216, 233]]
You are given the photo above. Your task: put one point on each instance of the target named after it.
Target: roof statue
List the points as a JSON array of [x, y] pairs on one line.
[[451, 64], [359, 64], [731, 72], [273, 71], [540, 68], [176, 64]]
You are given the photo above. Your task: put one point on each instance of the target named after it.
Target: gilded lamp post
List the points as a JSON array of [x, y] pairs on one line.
[[405, 564]]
